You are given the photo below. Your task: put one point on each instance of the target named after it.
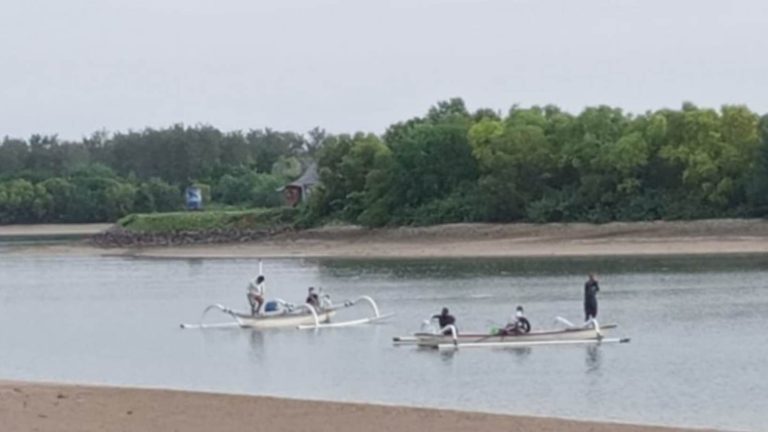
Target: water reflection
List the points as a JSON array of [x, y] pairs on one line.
[[256, 342], [594, 358], [195, 266], [533, 267], [447, 355], [521, 353]]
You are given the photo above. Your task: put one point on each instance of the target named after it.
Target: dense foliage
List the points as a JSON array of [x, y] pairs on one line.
[[544, 165], [536, 164], [103, 177]]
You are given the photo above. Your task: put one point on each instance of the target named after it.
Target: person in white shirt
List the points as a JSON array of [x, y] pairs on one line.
[[256, 291], [517, 324]]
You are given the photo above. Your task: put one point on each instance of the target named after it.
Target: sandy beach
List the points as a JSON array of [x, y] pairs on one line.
[[733, 236], [47, 407], [50, 230]]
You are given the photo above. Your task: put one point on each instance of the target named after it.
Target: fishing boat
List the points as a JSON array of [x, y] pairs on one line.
[[284, 314], [449, 338], [279, 313]]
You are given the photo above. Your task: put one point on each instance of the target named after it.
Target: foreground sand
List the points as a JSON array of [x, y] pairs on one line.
[[474, 240], [64, 408]]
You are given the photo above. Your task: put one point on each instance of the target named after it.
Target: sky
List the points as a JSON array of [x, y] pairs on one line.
[[77, 66]]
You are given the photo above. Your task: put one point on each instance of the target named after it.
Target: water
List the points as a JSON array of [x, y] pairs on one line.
[[697, 356]]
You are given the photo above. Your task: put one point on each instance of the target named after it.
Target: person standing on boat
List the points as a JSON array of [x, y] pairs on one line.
[[313, 299], [591, 288], [256, 291], [445, 319]]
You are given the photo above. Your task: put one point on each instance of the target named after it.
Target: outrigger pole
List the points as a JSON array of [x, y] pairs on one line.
[[212, 325], [317, 325], [598, 341]]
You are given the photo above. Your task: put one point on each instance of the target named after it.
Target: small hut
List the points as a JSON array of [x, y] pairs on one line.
[[299, 190]]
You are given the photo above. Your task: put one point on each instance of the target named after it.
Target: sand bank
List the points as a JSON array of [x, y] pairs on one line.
[[64, 408], [51, 230], [472, 240]]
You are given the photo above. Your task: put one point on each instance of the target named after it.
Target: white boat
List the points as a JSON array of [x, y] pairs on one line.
[[302, 317], [292, 318], [286, 314], [450, 338]]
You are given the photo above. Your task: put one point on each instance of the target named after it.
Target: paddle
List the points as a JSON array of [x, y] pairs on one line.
[[490, 335]]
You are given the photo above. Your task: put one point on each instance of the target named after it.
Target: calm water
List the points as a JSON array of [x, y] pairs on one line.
[[697, 357]]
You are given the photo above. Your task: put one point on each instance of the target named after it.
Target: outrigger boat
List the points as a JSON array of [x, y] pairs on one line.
[[448, 338], [279, 313], [286, 314]]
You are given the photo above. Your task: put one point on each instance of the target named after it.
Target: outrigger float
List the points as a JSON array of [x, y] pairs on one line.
[[448, 338], [303, 316]]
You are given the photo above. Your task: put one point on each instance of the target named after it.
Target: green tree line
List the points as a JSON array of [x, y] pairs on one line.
[[542, 164], [104, 177], [538, 164]]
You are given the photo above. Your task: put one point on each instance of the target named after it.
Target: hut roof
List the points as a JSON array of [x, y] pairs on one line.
[[308, 178]]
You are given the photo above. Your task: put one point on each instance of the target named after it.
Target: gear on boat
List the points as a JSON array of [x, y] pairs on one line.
[[518, 324]]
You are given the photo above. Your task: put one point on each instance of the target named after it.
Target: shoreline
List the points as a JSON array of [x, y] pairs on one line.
[[707, 237], [43, 231], [58, 407]]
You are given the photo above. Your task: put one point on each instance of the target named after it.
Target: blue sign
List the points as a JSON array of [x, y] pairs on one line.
[[194, 198]]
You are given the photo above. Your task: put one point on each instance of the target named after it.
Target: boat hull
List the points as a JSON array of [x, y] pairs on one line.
[[434, 340], [282, 320]]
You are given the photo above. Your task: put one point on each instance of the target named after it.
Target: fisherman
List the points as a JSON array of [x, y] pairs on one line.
[[256, 291], [445, 319], [313, 299], [591, 288], [517, 324]]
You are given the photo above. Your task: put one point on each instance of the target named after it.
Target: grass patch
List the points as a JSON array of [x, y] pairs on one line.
[[253, 219]]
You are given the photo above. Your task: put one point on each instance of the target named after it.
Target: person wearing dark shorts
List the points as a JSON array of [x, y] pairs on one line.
[[312, 298], [591, 288]]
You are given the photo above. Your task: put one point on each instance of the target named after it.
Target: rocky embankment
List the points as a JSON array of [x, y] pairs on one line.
[[117, 236]]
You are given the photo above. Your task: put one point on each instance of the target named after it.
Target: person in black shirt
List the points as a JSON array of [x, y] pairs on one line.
[[591, 288], [445, 319], [313, 299]]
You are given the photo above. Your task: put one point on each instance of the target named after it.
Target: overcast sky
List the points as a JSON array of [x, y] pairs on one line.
[[71, 67]]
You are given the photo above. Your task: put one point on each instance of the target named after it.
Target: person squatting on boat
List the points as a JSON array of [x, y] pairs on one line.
[[591, 288], [313, 299], [517, 324], [445, 319], [256, 291]]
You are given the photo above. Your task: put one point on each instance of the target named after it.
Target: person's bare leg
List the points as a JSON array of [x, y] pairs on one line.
[[260, 302], [252, 302]]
